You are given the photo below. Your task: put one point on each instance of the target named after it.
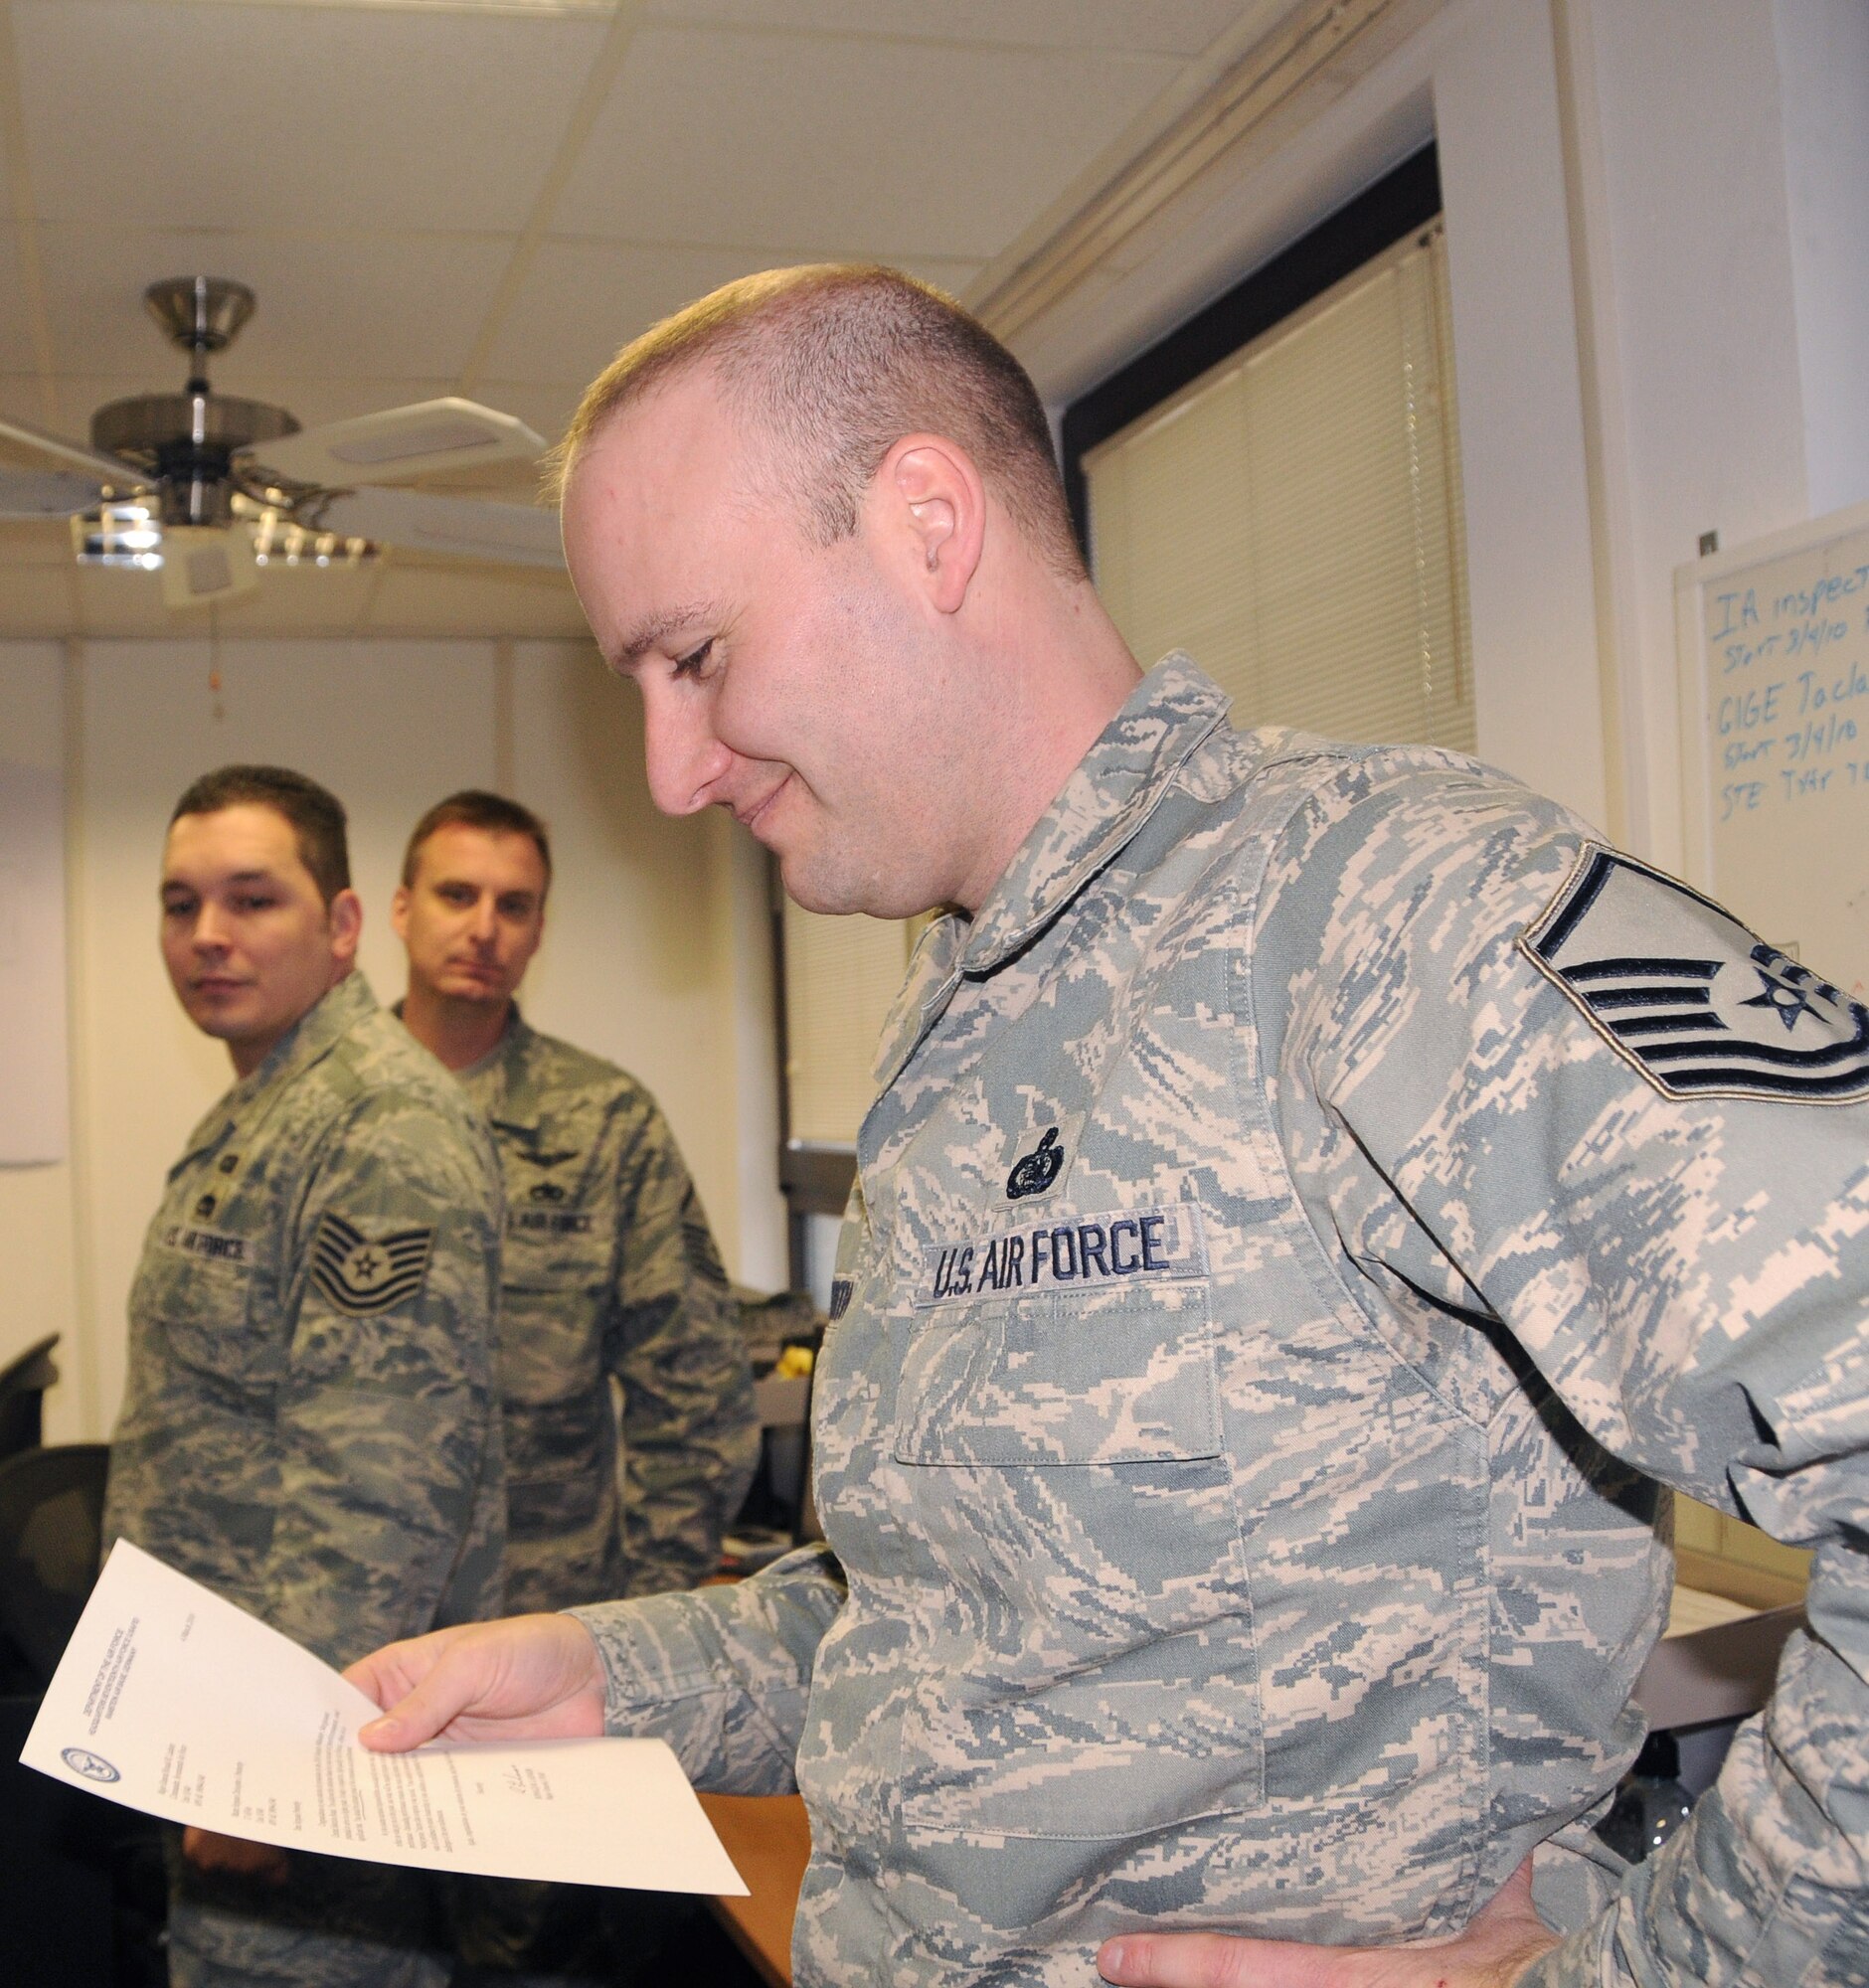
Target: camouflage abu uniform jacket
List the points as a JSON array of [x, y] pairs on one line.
[[309, 1425], [610, 1269], [1301, 1204]]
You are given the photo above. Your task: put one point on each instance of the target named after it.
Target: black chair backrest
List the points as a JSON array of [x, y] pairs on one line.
[[50, 1534], [23, 1384]]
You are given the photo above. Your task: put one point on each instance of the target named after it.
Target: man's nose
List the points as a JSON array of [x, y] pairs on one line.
[[209, 933], [684, 758], [483, 924]]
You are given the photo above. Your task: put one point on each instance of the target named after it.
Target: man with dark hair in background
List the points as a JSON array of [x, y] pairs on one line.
[[610, 1277], [309, 1425], [1318, 1197]]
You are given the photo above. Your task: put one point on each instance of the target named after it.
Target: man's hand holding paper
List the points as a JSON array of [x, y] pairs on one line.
[[530, 1677], [172, 1700]]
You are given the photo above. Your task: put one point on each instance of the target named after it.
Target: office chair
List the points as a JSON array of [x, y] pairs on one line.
[[23, 1386], [83, 1895], [51, 1531]]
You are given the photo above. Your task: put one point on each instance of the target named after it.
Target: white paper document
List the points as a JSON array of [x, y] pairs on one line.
[[175, 1701]]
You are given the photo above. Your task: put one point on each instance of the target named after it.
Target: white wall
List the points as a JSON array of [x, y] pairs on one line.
[[648, 920], [37, 1203], [1823, 74]]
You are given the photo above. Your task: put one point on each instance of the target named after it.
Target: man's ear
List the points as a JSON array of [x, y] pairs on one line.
[[347, 925], [399, 912], [933, 495]]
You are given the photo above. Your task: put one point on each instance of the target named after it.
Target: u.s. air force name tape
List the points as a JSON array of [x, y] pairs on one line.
[[360, 1273], [1076, 1253], [1682, 990], [205, 1243]]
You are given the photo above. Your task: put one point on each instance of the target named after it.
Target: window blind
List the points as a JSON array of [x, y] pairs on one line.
[[1292, 518]]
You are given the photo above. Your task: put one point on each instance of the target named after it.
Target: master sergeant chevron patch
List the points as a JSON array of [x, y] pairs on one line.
[[1696, 1002]]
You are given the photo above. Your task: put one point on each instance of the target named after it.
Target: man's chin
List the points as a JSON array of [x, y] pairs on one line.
[[220, 1020], [476, 993], [833, 892]]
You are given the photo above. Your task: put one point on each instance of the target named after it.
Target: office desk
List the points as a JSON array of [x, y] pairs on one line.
[[768, 1840]]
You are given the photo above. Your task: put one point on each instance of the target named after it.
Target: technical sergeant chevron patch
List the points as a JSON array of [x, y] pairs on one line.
[[362, 1275]]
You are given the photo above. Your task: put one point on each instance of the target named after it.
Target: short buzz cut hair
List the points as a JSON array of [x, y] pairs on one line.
[[837, 363], [477, 807], [314, 814]]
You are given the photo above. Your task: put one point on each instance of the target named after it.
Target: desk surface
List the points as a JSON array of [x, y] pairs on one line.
[[770, 1840]]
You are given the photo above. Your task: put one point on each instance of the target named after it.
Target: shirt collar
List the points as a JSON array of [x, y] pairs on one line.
[[1110, 794], [1112, 790], [311, 1037], [500, 1084]]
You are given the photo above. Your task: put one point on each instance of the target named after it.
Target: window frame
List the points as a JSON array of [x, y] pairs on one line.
[[1404, 200]]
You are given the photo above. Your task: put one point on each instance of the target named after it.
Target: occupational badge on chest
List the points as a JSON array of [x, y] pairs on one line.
[[362, 1275], [1039, 1156]]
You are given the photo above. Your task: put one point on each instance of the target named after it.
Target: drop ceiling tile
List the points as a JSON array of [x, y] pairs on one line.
[[287, 601], [581, 299], [47, 543], [463, 599], [330, 305], [1164, 27], [115, 603], [914, 150], [297, 600], [21, 397], [221, 117], [546, 410], [35, 601]]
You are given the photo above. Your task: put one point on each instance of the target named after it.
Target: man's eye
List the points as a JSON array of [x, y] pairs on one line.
[[691, 664], [251, 903]]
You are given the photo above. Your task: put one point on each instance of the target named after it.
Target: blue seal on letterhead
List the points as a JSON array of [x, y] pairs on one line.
[[94, 1766]]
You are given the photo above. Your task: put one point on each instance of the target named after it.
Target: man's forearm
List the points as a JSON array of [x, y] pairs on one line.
[[723, 1674]]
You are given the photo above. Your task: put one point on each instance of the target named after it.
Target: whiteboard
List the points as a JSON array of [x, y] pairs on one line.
[[1773, 641]]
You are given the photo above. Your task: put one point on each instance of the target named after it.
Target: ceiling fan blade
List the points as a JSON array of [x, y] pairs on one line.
[[399, 444], [18, 439], [45, 493], [201, 567], [461, 526]]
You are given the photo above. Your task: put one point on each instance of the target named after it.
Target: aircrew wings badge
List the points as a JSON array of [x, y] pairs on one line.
[[1684, 992], [362, 1275]]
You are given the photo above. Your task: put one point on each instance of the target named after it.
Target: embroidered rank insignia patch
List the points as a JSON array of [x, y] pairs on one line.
[[362, 1275], [1684, 992], [1074, 1253]]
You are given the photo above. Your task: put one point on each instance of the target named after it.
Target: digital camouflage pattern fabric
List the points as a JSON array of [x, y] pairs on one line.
[[309, 1425], [609, 1271], [1251, 1521]]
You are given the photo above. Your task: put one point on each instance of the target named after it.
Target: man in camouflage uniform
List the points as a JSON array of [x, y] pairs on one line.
[[1318, 1195], [610, 1274], [309, 1425], [610, 1270]]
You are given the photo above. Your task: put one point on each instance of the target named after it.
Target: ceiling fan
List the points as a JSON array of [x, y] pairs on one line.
[[210, 489]]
